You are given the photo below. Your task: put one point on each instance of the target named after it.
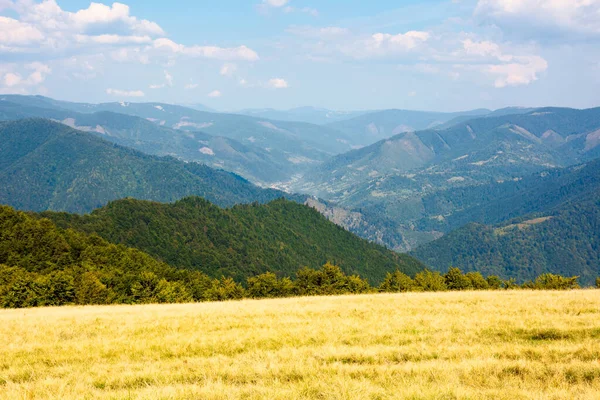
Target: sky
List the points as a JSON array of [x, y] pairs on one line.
[[439, 55]]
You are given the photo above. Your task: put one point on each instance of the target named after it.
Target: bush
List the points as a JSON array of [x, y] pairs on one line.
[[478, 282], [430, 281], [456, 280], [494, 282], [555, 282], [598, 283], [397, 282], [268, 286]]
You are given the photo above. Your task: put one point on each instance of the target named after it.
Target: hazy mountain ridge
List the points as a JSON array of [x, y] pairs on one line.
[[393, 176], [49, 166]]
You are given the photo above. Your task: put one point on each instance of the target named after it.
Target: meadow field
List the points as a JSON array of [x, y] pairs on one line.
[[454, 345]]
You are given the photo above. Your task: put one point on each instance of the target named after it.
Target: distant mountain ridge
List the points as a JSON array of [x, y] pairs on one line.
[[393, 177], [48, 166]]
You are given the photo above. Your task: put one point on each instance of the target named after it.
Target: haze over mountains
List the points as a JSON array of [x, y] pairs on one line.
[[431, 176]]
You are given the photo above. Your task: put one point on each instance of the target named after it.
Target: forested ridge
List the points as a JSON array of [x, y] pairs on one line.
[[564, 241], [43, 265], [245, 240]]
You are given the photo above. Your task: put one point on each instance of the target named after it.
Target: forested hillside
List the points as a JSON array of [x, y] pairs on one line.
[[49, 166], [242, 241], [566, 241]]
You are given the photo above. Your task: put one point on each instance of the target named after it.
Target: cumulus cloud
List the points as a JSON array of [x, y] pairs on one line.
[[215, 94], [539, 18], [277, 83], [125, 93], [13, 32]]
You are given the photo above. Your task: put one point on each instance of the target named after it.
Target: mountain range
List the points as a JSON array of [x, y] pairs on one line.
[[491, 191], [395, 177]]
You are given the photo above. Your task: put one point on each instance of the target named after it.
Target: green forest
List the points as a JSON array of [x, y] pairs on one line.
[[44, 265], [241, 241], [566, 242]]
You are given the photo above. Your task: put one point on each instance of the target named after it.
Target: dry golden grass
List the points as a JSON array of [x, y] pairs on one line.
[[476, 345]]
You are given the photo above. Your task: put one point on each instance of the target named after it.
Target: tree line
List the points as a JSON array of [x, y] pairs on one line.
[[86, 285]]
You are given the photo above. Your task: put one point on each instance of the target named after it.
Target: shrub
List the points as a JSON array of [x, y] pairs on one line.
[[478, 282], [456, 280], [397, 282], [268, 286], [430, 281], [494, 282], [555, 282], [598, 283]]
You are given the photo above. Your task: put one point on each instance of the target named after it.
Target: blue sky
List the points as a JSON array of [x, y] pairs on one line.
[[433, 55]]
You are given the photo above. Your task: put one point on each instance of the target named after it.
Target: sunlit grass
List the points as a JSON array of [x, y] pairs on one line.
[[472, 345]]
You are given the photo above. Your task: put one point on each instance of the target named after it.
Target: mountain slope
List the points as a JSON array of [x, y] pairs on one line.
[[49, 166], [248, 160], [302, 143], [243, 241], [395, 177], [564, 241], [311, 115], [369, 128]]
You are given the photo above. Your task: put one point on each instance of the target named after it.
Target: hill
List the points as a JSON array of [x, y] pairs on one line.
[[48, 166], [242, 241], [564, 241], [303, 144], [246, 159]]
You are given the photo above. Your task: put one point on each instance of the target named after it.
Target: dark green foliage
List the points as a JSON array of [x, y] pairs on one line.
[[430, 281], [330, 280], [566, 242], [42, 265], [239, 242], [268, 286], [397, 282], [478, 282], [598, 283], [555, 282], [48, 166], [456, 280]]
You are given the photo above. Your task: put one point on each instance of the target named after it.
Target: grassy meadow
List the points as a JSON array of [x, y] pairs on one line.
[[454, 345]]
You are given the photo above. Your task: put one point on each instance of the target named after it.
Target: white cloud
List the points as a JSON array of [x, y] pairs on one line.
[[326, 32], [125, 93], [13, 32], [215, 94], [157, 86], [228, 69], [385, 44], [523, 71], [241, 53], [537, 17], [191, 86], [168, 78], [11, 79], [275, 3], [305, 10], [278, 83]]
